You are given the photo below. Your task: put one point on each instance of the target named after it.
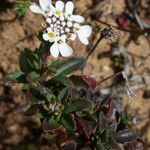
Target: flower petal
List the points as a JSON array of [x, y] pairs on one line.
[[69, 8], [36, 9], [78, 18], [59, 5], [73, 37], [46, 37], [44, 4], [51, 40], [49, 29], [50, 13], [83, 39], [65, 50], [54, 50], [52, 8], [85, 31]]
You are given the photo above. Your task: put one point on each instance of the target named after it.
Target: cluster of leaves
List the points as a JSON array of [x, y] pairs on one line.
[[70, 106], [22, 7]]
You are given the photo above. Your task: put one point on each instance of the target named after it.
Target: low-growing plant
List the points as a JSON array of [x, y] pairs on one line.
[[69, 106]]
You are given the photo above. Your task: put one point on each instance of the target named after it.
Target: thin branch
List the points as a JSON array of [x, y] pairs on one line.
[[135, 31], [112, 76], [94, 47]]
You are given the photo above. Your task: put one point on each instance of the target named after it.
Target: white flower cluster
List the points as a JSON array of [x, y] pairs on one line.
[[62, 25]]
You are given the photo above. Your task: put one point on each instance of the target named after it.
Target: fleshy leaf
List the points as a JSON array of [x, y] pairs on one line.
[[47, 93], [19, 77], [33, 95], [77, 105], [68, 122], [70, 145], [70, 65], [63, 94], [41, 50], [110, 132], [63, 80], [79, 82], [125, 136], [50, 125], [33, 77], [91, 82], [29, 61], [102, 121], [85, 127], [32, 110]]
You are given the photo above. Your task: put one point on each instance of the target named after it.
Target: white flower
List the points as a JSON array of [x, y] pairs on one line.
[[43, 9], [83, 33], [60, 46], [62, 25], [69, 13], [49, 36], [58, 9]]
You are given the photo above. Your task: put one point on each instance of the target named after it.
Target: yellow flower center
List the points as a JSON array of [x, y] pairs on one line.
[[51, 34], [58, 12], [46, 11], [77, 29], [59, 41]]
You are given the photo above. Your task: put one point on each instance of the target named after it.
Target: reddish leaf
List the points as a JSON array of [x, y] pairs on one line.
[[70, 145], [122, 21], [62, 137], [84, 127], [91, 83], [111, 114]]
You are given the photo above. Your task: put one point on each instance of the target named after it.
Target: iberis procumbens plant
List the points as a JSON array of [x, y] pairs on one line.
[[61, 25], [68, 106]]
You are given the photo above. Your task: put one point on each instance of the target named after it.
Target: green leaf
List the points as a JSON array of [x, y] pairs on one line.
[[25, 88], [32, 110], [24, 66], [102, 121], [56, 64], [29, 61], [79, 82], [53, 122], [63, 94], [19, 77], [63, 80], [68, 66], [48, 94], [34, 95], [68, 122], [125, 136], [77, 105], [41, 51], [52, 69], [33, 77], [110, 132]]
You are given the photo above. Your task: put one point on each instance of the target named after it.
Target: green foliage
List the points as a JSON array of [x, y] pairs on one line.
[[19, 77], [68, 121], [30, 61], [47, 93], [33, 77], [69, 66], [77, 105], [22, 7], [67, 103]]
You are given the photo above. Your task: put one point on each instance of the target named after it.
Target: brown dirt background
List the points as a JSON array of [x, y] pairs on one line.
[[23, 133]]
